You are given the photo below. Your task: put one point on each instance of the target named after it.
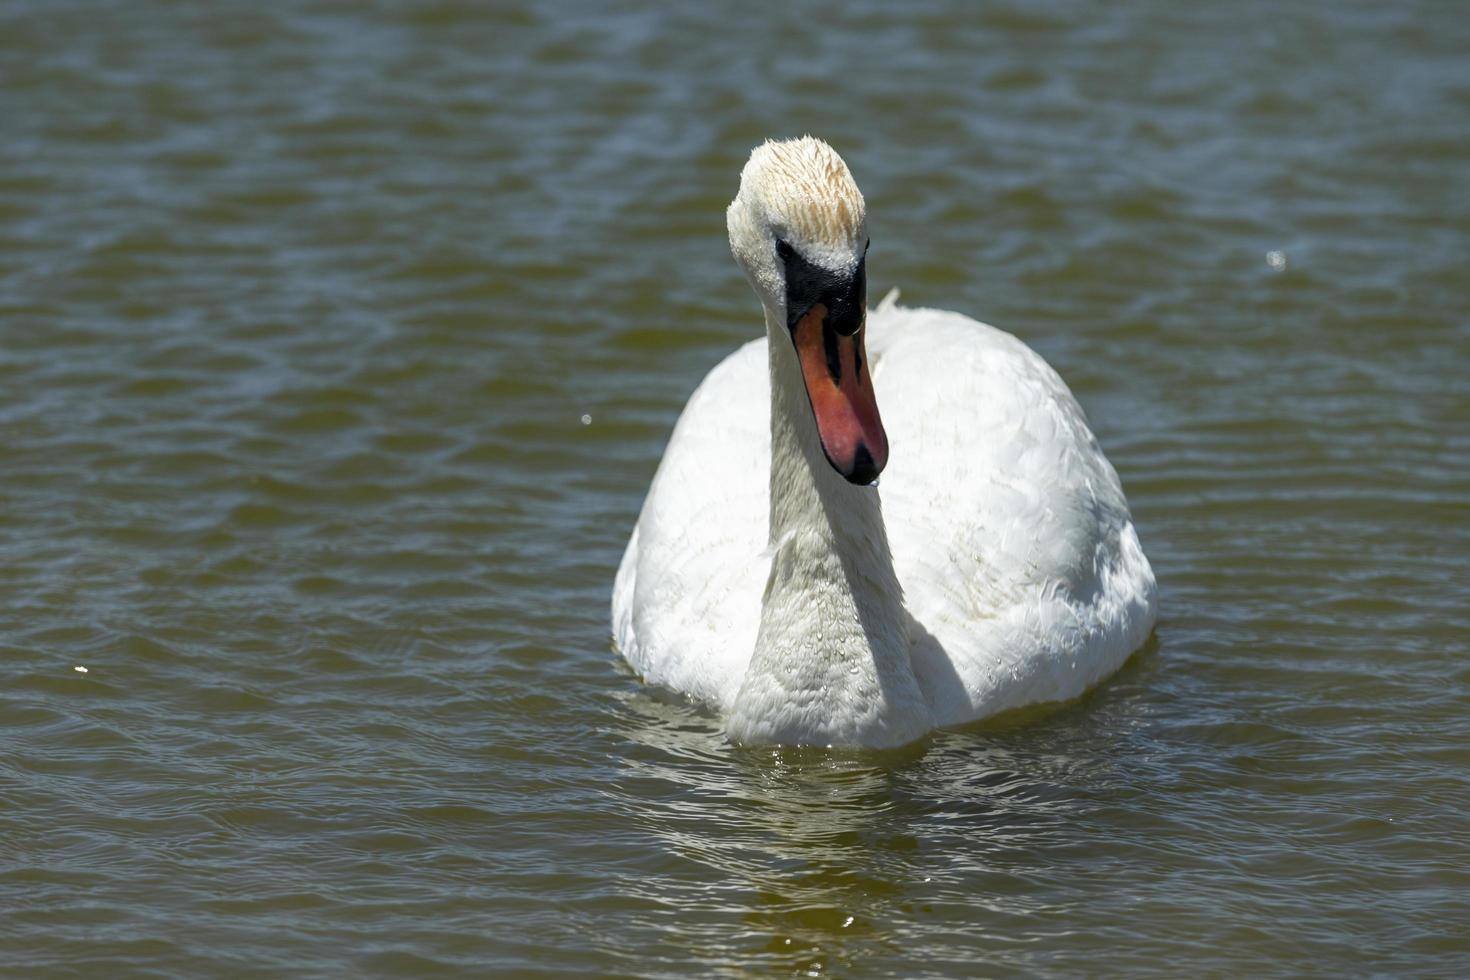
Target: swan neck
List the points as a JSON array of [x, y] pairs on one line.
[[831, 663]]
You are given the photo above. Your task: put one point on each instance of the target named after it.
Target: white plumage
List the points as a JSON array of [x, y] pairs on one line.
[[1015, 576]]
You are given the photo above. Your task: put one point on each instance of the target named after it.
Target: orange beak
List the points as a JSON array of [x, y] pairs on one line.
[[840, 388]]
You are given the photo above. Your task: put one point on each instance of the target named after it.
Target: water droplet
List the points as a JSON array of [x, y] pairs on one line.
[[80, 669], [847, 922], [586, 420], [1276, 259]]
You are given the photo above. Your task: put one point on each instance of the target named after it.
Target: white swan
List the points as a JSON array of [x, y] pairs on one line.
[[997, 567]]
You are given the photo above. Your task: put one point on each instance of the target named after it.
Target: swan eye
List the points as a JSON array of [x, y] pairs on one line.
[[784, 250]]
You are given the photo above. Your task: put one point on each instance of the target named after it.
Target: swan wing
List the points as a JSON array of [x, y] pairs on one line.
[[687, 598], [1008, 526]]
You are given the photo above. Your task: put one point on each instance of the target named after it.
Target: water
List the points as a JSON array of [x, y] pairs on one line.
[[340, 342]]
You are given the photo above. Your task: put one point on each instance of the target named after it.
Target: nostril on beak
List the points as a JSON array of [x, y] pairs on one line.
[[864, 470]]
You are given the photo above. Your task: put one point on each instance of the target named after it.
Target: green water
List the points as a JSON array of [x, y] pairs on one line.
[[301, 309]]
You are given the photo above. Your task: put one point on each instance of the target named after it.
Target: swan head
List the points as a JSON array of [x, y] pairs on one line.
[[798, 228]]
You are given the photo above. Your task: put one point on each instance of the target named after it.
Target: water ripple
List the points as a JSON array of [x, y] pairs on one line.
[[340, 343]]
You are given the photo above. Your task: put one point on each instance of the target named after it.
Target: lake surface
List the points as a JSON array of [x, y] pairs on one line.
[[339, 343]]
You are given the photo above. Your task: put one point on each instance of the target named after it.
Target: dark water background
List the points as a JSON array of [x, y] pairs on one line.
[[302, 305]]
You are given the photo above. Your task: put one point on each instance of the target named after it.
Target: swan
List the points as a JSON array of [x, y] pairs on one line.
[[770, 577]]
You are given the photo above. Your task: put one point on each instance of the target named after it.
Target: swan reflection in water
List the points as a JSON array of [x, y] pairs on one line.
[[828, 857]]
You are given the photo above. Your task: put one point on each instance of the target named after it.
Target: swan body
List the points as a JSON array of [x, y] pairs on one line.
[[994, 566]]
